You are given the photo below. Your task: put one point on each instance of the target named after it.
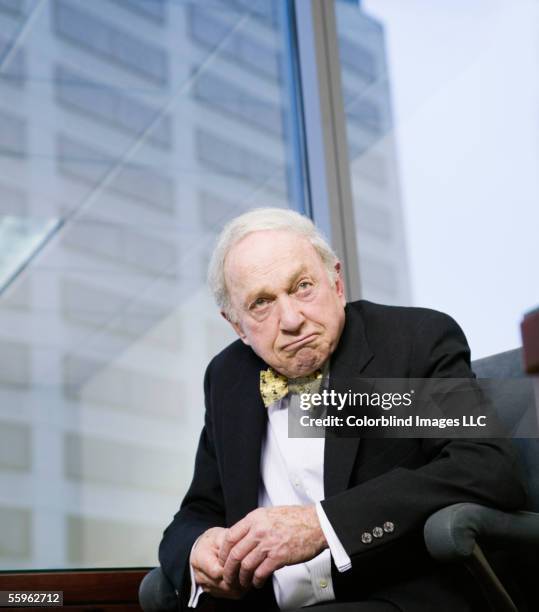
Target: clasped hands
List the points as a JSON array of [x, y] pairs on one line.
[[228, 562]]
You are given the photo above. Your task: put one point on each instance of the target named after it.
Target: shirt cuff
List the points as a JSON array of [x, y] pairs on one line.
[[196, 591], [340, 556]]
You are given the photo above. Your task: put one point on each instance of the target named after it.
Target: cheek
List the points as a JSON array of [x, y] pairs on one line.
[[261, 336], [331, 316], [322, 312]]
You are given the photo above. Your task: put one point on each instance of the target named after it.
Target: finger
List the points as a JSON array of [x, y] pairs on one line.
[[223, 591], [263, 572], [232, 537], [220, 594], [249, 565], [204, 580], [209, 566], [218, 540], [231, 592], [235, 558]]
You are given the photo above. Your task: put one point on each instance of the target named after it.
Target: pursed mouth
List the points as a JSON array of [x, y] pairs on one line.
[[298, 343]]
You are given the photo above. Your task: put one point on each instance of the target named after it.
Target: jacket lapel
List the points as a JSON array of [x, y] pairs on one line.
[[245, 421], [348, 361], [244, 427]]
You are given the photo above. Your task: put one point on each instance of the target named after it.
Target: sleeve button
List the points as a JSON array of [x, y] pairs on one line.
[[366, 538]]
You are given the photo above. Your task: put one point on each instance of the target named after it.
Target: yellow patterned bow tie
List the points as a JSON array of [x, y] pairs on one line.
[[274, 386]]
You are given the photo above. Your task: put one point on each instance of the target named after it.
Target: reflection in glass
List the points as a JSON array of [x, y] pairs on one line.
[[130, 132], [373, 156], [20, 240]]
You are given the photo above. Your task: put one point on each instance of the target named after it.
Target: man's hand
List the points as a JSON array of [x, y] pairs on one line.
[[267, 539], [207, 567]]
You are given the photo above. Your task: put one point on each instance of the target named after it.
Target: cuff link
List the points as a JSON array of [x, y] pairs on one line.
[[366, 538], [389, 527]]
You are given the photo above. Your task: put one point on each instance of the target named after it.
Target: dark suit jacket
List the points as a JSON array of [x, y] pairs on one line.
[[367, 482]]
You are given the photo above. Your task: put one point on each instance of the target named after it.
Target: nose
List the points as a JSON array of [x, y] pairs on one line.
[[290, 316]]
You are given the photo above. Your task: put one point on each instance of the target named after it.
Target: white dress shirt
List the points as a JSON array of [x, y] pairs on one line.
[[292, 472]]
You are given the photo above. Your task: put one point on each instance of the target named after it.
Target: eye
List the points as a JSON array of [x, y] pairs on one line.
[[304, 286], [259, 303]]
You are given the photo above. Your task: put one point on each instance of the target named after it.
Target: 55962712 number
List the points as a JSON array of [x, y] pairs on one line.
[[31, 598]]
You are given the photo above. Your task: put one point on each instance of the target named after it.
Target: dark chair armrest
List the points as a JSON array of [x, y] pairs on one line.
[[156, 593], [451, 534]]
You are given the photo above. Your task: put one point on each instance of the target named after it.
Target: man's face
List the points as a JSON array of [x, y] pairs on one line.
[[287, 308]]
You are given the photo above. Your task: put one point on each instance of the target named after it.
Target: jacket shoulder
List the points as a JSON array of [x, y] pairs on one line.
[[234, 361], [402, 319], [429, 343]]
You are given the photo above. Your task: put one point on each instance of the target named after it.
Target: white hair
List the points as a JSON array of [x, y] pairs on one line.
[[257, 220]]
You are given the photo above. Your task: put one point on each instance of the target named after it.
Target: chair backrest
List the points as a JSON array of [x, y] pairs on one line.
[[515, 404]]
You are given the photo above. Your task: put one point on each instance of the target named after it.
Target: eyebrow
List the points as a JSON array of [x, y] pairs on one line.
[[264, 290]]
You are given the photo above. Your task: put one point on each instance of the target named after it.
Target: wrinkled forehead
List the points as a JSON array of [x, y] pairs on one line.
[[269, 257]]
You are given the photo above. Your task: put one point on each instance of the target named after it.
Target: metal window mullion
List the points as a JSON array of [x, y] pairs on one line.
[[328, 164]]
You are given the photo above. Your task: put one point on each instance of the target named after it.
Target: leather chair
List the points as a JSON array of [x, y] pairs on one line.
[[453, 533], [462, 532], [156, 593]]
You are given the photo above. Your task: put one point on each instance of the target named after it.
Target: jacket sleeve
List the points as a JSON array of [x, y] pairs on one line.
[[202, 507], [456, 470]]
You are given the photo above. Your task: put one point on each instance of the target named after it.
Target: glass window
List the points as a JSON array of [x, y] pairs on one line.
[[155, 10], [142, 183], [266, 11], [113, 189], [110, 105], [213, 29], [12, 201], [13, 134], [452, 163], [13, 62], [373, 154], [11, 6], [261, 112], [83, 28], [357, 59], [15, 535], [237, 160]]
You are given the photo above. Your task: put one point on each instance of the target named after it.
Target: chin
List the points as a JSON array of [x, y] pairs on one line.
[[306, 364]]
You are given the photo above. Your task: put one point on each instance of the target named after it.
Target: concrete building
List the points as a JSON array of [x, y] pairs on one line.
[[130, 131]]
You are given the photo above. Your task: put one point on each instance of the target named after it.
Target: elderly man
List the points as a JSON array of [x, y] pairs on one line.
[[272, 522]]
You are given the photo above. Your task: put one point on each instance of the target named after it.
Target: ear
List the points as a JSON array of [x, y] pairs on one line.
[[339, 282], [236, 327]]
